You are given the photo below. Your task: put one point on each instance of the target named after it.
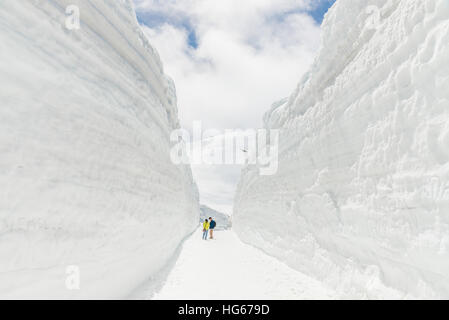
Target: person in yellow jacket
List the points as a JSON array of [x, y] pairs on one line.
[[206, 226]]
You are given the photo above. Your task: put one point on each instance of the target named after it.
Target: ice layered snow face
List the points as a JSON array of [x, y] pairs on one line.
[[88, 190], [361, 197]]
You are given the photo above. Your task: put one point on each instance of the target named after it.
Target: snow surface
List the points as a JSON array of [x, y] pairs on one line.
[[361, 198], [226, 268], [85, 174]]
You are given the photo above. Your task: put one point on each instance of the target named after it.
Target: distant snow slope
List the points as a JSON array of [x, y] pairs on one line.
[[361, 199], [85, 174], [223, 220]]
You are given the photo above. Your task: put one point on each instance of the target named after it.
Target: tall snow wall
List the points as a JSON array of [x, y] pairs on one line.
[[361, 197], [88, 192]]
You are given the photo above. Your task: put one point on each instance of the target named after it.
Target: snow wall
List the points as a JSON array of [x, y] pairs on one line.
[[361, 198], [88, 190]]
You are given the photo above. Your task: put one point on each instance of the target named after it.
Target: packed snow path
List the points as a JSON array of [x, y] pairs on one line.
[[226, 268]]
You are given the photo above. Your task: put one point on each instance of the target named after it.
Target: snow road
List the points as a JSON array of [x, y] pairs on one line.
[[226, 268]]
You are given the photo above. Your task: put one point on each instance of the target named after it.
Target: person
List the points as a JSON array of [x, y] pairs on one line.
[[206, 226], [212, 225]]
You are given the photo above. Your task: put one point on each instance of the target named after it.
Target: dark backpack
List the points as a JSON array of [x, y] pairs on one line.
[[212, 224]]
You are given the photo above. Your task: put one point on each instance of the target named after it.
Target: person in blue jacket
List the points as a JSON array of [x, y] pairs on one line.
[[212, 225]]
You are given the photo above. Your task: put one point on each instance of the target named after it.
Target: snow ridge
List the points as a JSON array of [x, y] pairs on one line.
[[85, 171], [361, 199]]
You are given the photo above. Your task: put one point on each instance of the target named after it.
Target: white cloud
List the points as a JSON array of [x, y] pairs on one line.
[[250, 54]]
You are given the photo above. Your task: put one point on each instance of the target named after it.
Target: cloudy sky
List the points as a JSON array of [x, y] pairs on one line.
[[230, 60]]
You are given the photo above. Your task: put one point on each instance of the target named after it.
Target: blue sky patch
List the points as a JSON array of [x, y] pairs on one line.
[[154, 19], [320, 10]]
